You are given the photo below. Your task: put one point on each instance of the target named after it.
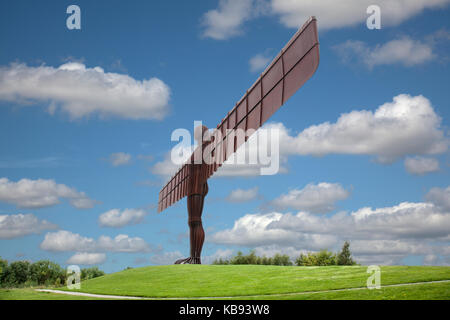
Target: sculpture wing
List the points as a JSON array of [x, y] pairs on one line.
[[291, 68]]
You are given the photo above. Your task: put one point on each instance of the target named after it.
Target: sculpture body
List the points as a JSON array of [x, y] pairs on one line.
[[197, 189]]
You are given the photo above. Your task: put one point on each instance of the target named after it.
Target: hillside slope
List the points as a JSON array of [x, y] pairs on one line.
[[247, 280]]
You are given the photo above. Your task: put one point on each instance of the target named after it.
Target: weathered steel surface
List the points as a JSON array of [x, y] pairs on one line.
[[292, 67]]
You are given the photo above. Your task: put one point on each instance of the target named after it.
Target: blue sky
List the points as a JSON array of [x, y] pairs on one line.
[[80, 142]]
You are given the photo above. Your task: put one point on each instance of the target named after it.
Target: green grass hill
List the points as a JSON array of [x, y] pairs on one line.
[[262, 282]]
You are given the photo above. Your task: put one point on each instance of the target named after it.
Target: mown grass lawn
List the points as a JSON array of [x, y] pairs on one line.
[[431, 291], [192, 281]]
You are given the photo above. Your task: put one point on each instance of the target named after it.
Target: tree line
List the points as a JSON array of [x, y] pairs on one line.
[[321, 258], [39, 273]]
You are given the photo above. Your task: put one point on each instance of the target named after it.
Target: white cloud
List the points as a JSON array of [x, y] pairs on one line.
[[166, 167], [226, 21], [166, 258], [388, 248], [272, 250], [252, 230], [19, 225], [439, 197], [85, 258], [241, 195], [40, 193], [349, 12], [123, 243], [421, 165], [119, 159], [405, 220], [404, 51], [67, 241], [259, 62], [81, 91], [377, 235], [219, 254], [83, 202], [116, 218], [406, 126], [316, 198]]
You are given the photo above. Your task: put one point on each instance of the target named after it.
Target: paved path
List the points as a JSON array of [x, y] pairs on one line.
[[104, 296]]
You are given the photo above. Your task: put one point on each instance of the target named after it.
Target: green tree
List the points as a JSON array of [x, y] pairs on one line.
[[344, 258], [238, 259], [266, 261], [90, 273], [321, 258], [281, 260], [3, 266], [308, 259], [45, 272], [16, 274], [325, 258]]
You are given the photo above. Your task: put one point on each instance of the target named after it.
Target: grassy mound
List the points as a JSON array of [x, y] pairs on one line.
[[192, 281]]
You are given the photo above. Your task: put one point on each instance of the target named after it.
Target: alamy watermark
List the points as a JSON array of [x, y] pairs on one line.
[[374, 280], [239, 147], [74, 277], [374, 20], [74, 20]]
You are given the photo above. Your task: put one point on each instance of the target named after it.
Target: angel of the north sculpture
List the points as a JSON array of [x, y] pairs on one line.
[[291, 68]]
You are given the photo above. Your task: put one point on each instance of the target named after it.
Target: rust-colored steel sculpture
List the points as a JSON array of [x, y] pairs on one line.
[[292, 67]]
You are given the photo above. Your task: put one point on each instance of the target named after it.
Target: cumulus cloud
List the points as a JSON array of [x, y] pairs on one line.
[[116, 218], [241, 195], [404, 51], [405, 220], [349, 12], [166, 258], [119, 159], [19, 225], [316, 198], [406, 126], [377, 235], [226, 21], [252, 230], [85, 258], [81, 91], [67, 241], [259, 62], [166, 167], [421, 165], [440, 197], [40, 193]]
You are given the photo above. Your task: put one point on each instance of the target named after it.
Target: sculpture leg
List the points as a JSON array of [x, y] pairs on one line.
[[196, 232]]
